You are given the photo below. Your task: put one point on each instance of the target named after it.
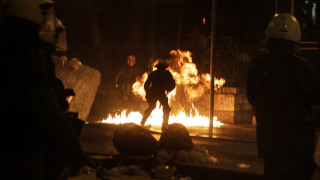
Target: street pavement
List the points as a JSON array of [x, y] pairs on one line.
[[233, 145]]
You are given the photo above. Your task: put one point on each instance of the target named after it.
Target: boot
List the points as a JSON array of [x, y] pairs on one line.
[[165, 121], [143, 121], [164, 127]]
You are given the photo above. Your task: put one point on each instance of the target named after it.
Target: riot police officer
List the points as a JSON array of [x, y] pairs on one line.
[[158, 84], [42, 143], [126, 77], [282, 86]]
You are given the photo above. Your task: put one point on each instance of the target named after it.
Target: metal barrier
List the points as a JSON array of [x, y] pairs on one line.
[[231, 61]]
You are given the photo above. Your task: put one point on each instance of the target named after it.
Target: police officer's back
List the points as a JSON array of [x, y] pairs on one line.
[[157, 86], [282, 86], [41, 140]]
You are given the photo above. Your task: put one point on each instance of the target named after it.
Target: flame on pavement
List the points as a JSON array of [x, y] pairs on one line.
[[190, 87]]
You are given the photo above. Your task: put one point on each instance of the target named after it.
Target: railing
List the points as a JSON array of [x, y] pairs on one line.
[[231, 59]]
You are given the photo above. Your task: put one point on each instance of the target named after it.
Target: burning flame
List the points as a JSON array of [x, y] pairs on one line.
[[156, 118], [190, 87]]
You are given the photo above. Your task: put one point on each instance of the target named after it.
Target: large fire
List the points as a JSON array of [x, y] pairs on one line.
[[190, 88]]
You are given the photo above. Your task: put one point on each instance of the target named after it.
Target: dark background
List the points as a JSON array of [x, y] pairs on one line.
[[92, 24], [102, 33]]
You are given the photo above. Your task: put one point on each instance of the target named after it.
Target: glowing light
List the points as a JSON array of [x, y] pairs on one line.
[[191, 86], [155, 119]]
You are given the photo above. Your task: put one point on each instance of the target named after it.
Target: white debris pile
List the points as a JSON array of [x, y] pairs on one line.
[[198, 154], [125, 170]]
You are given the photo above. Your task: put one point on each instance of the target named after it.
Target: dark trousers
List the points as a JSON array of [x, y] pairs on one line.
[[152, 101]]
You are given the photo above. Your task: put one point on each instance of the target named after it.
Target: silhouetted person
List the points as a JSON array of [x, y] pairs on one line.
[[282, 86], [158, 84], [40, 142], [126, 77]]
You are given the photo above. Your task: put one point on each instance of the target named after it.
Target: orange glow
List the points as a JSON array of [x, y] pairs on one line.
[[191, 87], [137, 88], [155, 119]]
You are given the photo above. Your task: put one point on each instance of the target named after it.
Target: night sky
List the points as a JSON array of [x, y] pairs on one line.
[[94, 24], [102, 33], [124, 20]]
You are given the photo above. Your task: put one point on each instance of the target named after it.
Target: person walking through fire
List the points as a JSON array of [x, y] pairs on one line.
[[157, 86], [126, 77], [282, 86], [42, 143]]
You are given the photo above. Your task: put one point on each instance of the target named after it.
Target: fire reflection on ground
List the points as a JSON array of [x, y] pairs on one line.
[[197, 125], [184, 99]]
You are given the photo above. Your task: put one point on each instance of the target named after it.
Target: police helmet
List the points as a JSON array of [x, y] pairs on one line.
[[162, 65], [31, 10], [283, 26], [131, 57]]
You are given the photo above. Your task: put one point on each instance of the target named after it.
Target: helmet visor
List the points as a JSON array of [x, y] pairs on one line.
[[61, 41], [47, 31], [48, 19]]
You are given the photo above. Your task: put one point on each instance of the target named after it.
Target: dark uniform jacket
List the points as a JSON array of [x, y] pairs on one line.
[[282, 86], [158, 82], [126, 77], [33, 102]]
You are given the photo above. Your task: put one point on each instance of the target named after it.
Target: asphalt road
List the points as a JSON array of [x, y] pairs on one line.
[[233, 145]]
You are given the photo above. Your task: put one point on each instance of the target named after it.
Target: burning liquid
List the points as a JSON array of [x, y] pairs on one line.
[[190, 88], [155, 119]]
